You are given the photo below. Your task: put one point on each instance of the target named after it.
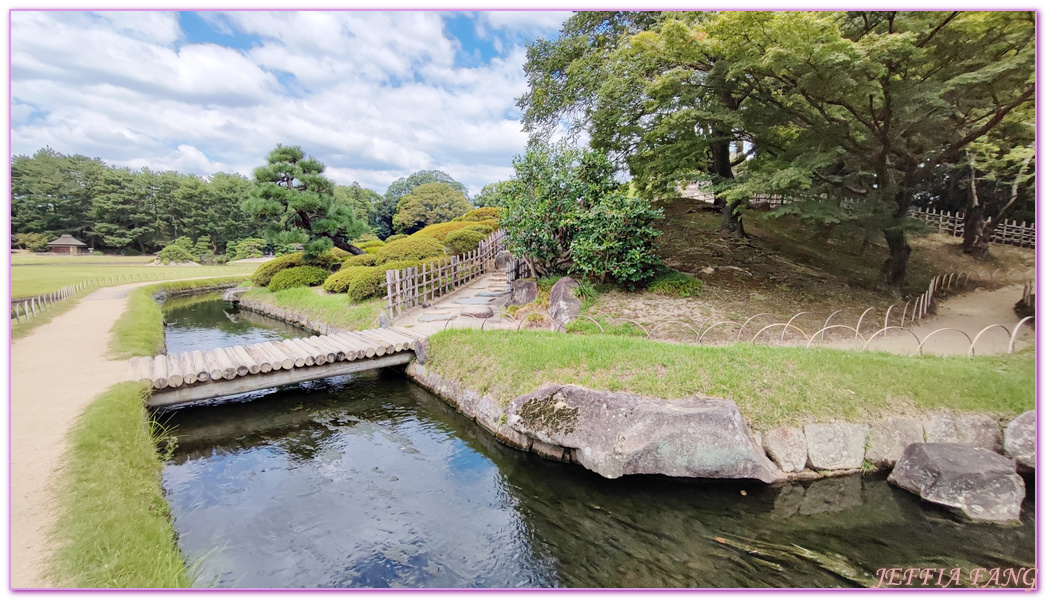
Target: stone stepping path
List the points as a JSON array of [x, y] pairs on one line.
[[489, 294], [474, 300], [430, 318]]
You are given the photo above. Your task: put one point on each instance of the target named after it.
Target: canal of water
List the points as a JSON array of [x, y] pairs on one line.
[[371, 481]]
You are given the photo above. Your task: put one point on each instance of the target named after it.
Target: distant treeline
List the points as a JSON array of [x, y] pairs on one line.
[[142, 211]]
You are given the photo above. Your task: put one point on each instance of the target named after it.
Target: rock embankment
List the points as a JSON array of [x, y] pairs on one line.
[[617, 434]]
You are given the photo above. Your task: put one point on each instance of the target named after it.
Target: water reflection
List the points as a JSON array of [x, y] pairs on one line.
[[206, 321], [373, 482]]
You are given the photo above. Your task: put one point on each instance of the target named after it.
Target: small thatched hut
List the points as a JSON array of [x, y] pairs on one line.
[[68, 244]]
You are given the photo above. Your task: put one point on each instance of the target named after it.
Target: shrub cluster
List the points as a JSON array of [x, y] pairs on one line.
[[675, 283], [303, 276], [175, 253], [265, 271], [338, 283], [360, 260], [370, 244], [487, 213], [393, 238], [372, 281], [415, 247], [464, 240]]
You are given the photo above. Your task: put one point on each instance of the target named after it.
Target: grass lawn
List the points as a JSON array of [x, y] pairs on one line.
[[771, 385], [333, 309], [34, 275], [114, 528]]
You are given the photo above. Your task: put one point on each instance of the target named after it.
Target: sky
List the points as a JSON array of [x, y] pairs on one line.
[[373, 95]]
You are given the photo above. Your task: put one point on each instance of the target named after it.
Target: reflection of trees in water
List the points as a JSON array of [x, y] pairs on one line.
[[581, 530]]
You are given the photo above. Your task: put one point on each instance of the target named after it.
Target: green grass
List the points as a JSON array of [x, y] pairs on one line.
[[772, 386], [334, 309], [32, 275], [114, 528], [140, 330]]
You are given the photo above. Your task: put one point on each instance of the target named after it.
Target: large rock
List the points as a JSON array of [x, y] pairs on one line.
[[835, 446], [501, 260], [617, 434], [981, 484], [940, 428], [980, 431], [787, 447], [523, 292], [563, 304], [1019, 439], [888, 439]]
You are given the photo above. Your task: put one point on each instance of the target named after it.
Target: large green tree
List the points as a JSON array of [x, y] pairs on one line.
[[427, 204], [384, 211], [292, 196], [363, 201], [51, 192], [871, 104]]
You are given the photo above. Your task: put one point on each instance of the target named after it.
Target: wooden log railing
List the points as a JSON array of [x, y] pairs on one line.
[[415, 286], [24, 309]]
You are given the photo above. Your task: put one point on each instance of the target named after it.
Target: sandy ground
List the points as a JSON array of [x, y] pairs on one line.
[[45, 403], [56, 371]]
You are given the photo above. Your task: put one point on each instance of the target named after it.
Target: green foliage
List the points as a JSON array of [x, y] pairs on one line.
[[371, 244], [464, 240], [486, 213], [304, 276], [246, 248], [184, 242], [335, 309], [415, 247], [384, 211], [676, 284], [566, 213], [176, 254], [493, 194], [294, 199], [339, 282], [34, 242], [393, 238], [370, 283], [427, 204], [367, 237], [265, 271], [360, 260], [615, 240], [440, 231]]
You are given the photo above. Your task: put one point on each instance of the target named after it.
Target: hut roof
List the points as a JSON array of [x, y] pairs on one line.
[[67, 240]]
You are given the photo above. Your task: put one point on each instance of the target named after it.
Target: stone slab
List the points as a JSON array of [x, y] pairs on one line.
[[473, 300], [834, 446]]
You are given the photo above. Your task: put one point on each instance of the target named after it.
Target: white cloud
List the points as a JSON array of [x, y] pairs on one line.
[[526, 20], [376, 95]]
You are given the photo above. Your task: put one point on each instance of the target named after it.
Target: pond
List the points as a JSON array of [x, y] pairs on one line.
[[371, 481]]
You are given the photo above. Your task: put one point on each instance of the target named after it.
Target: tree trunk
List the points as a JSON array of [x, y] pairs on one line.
[[893, 270], [976, 232], [344, 245], [731, 221]]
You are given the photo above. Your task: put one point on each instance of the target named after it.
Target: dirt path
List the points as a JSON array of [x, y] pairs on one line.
[[56, 371], [968, 313]]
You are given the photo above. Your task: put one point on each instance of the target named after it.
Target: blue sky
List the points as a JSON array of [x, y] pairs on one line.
[[374, 95]]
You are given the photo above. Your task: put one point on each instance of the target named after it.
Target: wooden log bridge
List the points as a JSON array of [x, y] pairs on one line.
[[186, 377]]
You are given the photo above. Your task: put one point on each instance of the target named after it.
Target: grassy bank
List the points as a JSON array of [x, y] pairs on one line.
[[334, 309], [772, 386], [140, 330], [113, 528]]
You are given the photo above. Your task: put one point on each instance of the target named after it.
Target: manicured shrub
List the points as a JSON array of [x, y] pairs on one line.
[[303, 276], [371, 283], [675, 283], [360, 260], [442, 230], [246, 248], [175, 253], [487, 213], [365, 246], [367, 237], [415, 247], [464, 240], [393, 238], [488, 227], [265, 271], [339, 282], [339, 253]]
